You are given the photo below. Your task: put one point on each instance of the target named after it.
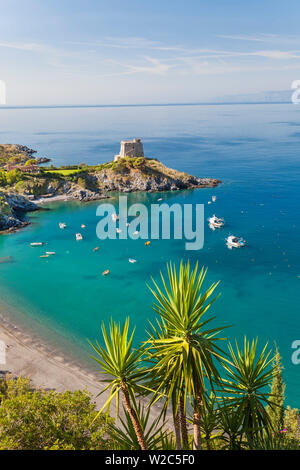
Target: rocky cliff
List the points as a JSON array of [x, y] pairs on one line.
[[12, 207], [92, 183]]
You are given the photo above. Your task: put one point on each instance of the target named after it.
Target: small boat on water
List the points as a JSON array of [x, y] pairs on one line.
[[214, 198], [50, 253], [62, 225], [131, 260], [147, 243], [36, 244], [105, 273], [235, 242], [160, 199], [96, 248], [136, 232], [83, 226], [78, 236], [215, 222], [44, 256], [118, 230]]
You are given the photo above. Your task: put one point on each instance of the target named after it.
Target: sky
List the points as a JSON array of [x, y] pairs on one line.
[[146, 51]]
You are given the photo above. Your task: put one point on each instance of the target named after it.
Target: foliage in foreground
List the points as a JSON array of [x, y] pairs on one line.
[[221, 396], [39, 419], [218, 399]]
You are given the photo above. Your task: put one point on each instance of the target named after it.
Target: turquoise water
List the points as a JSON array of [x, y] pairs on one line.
[[253, 149]]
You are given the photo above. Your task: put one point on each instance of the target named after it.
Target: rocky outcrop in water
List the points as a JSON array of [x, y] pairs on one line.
[[12, 207]]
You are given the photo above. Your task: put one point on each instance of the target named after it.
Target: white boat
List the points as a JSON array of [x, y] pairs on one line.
[[83, 226], [235, 242], [131, 260], [214, 198], [215, 222], [160, 199], [78, 236], [36, 244], [136, 232], [114, 217], [49, 253], [62, 225]]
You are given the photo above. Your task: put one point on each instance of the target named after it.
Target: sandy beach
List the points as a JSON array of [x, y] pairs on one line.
[[44, 200], [27, 356], [24, 356]]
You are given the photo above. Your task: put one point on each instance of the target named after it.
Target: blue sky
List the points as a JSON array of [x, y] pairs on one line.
[[141, 51]]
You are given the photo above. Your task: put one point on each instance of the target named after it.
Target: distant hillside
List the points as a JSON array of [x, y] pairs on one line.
[[283, 96]]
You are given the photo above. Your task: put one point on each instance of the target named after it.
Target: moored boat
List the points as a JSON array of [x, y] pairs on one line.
[[216, 222], [235, 242], [78, 236]]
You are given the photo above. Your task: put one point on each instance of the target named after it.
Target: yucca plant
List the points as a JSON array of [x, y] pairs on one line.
[[209, 419], [231, 426], [183, 349], [123, 365], [270, 442], [248, 375], [125, 435]]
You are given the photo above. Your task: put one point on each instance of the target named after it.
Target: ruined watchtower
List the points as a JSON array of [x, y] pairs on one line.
[[130, 148]]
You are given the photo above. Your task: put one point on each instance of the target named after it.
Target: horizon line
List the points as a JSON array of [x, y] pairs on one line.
[[137, 105]]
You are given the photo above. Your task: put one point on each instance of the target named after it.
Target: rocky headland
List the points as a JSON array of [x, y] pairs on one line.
[[29, 182]]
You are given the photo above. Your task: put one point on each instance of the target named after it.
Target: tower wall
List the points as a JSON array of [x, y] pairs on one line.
[[131, 148]]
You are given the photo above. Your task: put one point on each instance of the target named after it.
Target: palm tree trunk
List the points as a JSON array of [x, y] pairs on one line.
[[196, 423], [134, 419], [177, 429], [184, 432]]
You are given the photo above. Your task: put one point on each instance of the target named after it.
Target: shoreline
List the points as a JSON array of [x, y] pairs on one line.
[[29, 355], [62, 197], [48, 367]]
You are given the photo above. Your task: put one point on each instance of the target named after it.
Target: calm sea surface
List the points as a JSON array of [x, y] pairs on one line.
[[253, 149]]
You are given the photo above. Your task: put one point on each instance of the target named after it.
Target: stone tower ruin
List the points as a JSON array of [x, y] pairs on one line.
[[130, 148]]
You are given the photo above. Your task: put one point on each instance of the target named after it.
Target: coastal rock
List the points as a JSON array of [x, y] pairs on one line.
[[19, 203], [154, 177], [86, 195], [17, 148], [11, 206], [41, 160]]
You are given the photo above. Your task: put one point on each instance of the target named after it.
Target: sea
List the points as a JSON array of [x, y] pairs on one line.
[[254, 149]]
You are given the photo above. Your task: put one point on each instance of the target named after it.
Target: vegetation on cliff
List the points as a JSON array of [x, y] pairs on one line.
[[20, 172]]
